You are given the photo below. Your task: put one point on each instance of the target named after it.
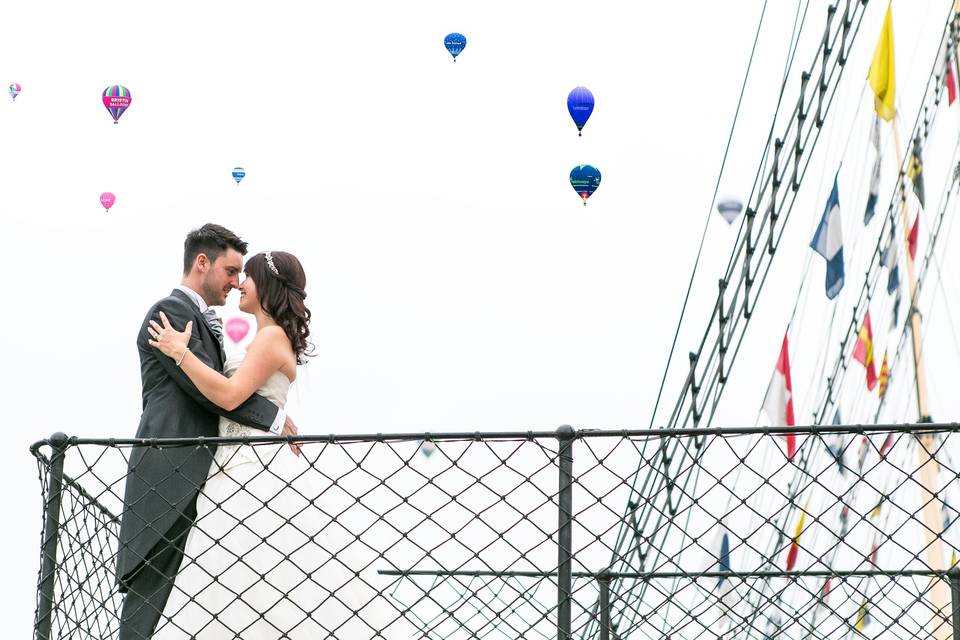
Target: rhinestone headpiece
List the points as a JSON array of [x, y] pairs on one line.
[[269, 256]]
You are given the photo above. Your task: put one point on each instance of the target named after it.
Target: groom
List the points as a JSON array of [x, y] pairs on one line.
[[162, 482]]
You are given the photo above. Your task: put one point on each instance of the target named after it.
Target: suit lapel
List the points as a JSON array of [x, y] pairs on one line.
[[200, 324]]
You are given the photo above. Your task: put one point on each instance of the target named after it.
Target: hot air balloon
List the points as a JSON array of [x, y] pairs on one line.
[[237, 328], [107, 199], [455, 43], [238, 174], [116, 99], [580, 106], [14, 90], [585, 179], [427, 448], [730, 209]]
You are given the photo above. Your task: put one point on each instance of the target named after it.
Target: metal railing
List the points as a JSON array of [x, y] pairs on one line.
[[510, 535]]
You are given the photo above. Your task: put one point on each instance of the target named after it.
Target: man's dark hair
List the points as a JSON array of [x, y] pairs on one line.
[[211, 240]]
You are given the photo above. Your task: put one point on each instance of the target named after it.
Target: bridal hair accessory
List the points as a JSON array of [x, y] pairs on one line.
[[269, 256]]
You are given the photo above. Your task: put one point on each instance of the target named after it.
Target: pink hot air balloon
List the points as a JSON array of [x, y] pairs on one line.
[[107, 199], [237, 329]]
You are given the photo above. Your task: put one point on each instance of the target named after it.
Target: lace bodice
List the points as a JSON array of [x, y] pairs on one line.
[[274, 389]]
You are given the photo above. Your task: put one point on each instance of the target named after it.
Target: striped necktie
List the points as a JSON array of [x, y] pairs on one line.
[[215, 324]]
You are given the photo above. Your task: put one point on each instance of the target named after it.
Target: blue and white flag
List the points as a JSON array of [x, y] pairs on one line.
[[875, 175], [896, 311], [835, 446], [828, 242], [888, 258]]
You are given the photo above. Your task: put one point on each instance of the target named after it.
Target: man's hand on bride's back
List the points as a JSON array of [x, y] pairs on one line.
[[290, 429]]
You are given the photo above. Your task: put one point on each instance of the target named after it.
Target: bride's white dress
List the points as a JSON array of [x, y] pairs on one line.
[[262, 561]]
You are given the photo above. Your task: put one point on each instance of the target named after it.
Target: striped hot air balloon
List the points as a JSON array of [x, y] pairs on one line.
[[116, 99], [729, 209], [14, 90]]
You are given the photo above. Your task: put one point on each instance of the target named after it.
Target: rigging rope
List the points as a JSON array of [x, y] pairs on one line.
[[744, 280], [875, 269], [798, 144], [706, 223]]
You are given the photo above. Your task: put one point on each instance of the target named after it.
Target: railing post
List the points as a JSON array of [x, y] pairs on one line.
[[604, 579], [51, 534], [954, 576], [565, 436]]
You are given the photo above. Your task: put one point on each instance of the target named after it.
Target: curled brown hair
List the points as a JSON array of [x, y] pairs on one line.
[[281, 296]]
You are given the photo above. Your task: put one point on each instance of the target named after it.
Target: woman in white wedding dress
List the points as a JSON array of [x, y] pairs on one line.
[[264, 559]]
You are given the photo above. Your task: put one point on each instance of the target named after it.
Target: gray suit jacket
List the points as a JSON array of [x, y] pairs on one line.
[[162, 482]]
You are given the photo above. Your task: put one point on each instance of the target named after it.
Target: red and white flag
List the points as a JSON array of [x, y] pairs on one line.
[[778, 403]]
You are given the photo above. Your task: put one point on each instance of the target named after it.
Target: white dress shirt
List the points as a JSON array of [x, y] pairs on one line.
[[201, 304], [196, 297]]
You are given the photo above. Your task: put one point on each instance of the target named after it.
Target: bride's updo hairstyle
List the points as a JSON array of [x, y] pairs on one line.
[[280, 287]]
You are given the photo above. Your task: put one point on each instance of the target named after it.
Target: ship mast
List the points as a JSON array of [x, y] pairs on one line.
[[939, 591]]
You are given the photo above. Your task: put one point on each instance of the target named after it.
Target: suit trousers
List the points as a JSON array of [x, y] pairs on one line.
[[149, 586]]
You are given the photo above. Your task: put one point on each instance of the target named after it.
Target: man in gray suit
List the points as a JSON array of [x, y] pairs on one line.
[[162, 482]]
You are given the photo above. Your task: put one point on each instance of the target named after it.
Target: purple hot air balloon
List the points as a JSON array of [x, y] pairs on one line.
[[580, 106], [116, 99], [14, 90]]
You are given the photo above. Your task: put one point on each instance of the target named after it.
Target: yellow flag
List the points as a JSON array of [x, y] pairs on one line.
[[803, 516], [882, 76]]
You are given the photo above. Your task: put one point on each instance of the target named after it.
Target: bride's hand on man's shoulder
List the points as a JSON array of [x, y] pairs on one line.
[[167, 339]]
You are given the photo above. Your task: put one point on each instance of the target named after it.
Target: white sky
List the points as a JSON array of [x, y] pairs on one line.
[[456, 280]]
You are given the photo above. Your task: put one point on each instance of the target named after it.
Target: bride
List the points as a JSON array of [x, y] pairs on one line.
[[263, 559]]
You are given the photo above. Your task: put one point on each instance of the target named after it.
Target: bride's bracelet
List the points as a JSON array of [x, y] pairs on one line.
[[183, 355]]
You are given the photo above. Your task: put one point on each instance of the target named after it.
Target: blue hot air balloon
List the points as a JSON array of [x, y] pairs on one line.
[[585, 179], [580, 106], [238, 174], [455, 43]]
